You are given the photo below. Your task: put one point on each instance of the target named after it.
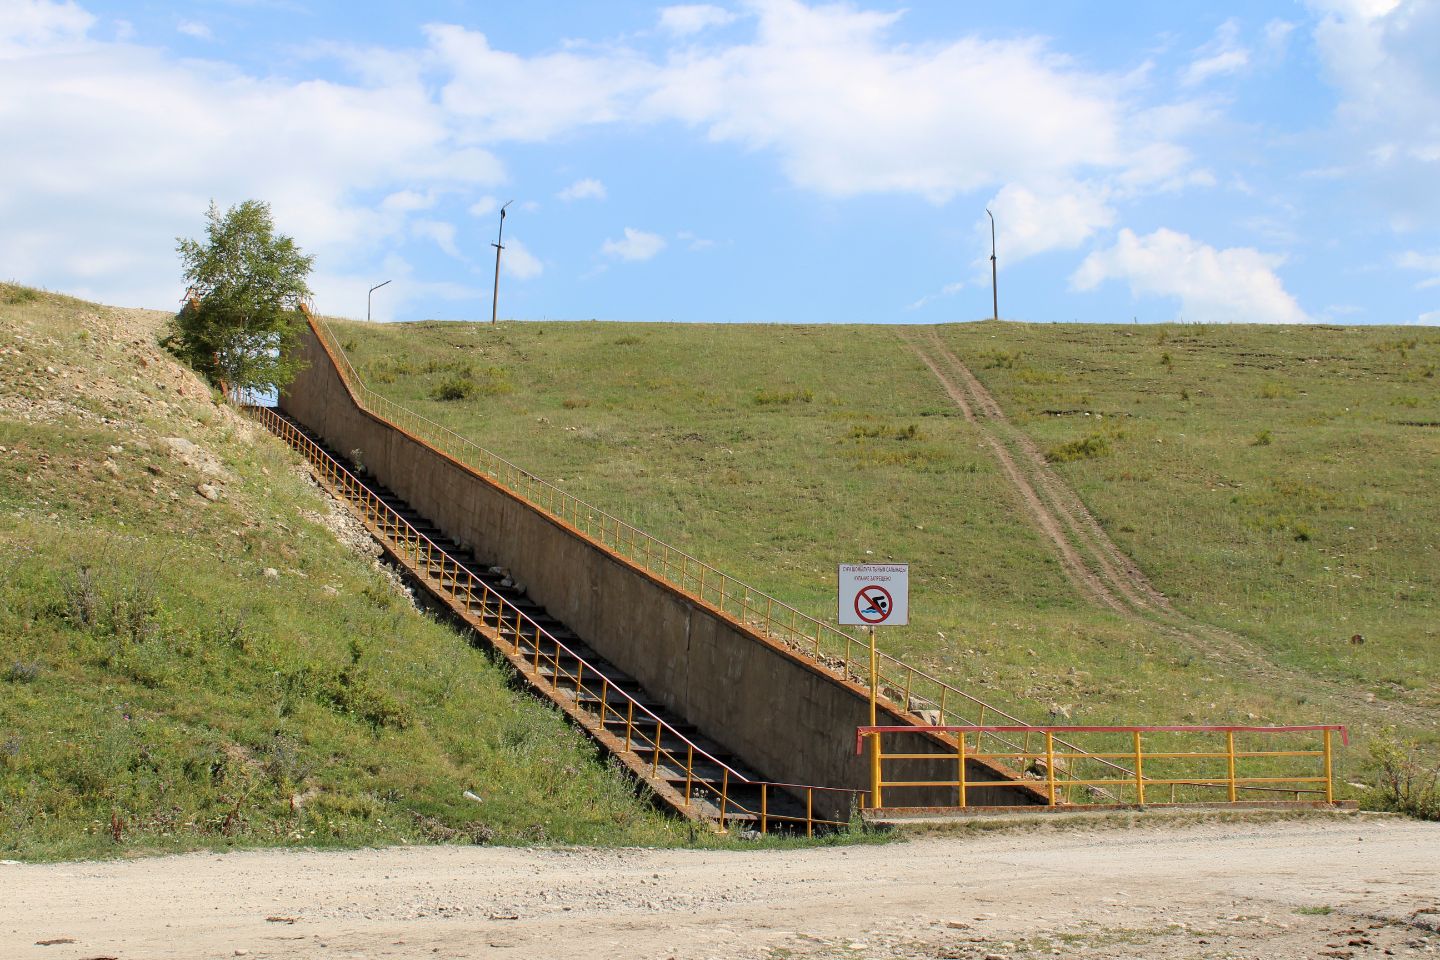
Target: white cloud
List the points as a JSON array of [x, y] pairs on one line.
[[692, 242], [587, 189], [87, 179], [849, 111], [1235, 285], [1430, 319], [1380, 54], [194, 28], [1277, 37], [33, 25], [1222, 55], [483, 207], [1059, 216], [517, 261], [502, 96], [949, 290], [442, 233], [635, 245], [407, 201], [691, 18], [1425, 262]]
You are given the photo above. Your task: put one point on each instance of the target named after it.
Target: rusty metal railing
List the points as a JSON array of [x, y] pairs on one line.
[[908, 688], [580, 688], [1183, 771]]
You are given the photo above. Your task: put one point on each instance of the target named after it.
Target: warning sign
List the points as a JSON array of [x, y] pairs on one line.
[[874, 594]]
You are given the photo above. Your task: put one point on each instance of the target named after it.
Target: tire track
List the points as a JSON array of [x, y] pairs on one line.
[[1094, 563]]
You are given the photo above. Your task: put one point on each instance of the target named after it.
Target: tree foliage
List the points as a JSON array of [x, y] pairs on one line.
[[247, 282]]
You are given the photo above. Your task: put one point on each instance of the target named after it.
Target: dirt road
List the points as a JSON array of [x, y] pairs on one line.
[[1285, 889]]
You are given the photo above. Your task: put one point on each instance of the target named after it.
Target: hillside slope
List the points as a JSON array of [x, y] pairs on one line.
[[1220, 470], [189, 657]]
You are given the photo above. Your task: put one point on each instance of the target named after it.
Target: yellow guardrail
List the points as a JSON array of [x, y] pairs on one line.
[[1151, 768], [908, 688], [581, 689]]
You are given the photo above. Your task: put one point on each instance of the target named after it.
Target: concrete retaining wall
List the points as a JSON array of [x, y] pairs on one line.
[[782, 714]]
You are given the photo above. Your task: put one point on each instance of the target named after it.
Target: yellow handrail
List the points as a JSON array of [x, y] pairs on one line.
[[454, 581], [1138, 754]]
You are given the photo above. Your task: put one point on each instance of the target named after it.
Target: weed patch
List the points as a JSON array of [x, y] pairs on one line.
[[768, 398], [1092, 446]]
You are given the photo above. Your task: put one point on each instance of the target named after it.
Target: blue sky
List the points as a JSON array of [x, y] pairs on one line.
[[751, 160]]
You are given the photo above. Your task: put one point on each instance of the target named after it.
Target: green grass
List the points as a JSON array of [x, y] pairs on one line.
[[776, 452], [159, 691], [1277, 481]]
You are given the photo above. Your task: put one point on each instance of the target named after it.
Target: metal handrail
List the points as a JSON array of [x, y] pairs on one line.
[[1138, 780], [401, 534], [756, 608]]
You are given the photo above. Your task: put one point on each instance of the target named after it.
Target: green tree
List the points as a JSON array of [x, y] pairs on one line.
[[242, 325]]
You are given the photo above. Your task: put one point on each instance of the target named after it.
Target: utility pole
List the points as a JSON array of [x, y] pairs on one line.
[[498, 245], [367, 299], [994, 288]]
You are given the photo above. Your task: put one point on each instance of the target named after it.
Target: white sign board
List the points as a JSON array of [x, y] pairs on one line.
[[874, 594]]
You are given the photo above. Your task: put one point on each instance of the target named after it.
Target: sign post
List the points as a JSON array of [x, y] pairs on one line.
[[872, 594]]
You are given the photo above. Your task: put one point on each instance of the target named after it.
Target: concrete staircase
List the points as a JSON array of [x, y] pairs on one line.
[[683, 766]]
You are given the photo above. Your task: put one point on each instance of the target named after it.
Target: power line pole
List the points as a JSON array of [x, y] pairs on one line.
[[367, 299], [994, 288], [498, 245]]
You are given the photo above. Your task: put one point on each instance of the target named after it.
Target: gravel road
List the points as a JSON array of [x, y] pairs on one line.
[[1342, 887]]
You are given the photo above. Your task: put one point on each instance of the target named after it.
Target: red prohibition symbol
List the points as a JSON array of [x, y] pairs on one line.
[[873, 604]]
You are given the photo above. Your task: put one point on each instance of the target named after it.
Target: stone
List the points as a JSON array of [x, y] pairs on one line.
[[207, 491], [111, 468], [270, 573]]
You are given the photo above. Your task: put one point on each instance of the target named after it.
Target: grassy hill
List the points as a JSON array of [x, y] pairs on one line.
[[189, 657], [1275, 485]]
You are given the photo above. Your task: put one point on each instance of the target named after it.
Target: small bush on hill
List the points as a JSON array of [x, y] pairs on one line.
[[1402, 780], [1088, 447], [454, 388]]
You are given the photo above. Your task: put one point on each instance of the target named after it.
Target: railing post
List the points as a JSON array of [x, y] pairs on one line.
[[655, 760], [1230, 762], [877, 795], [724, 796], [764, 808], [960, 778], [689, 770], [629, 717], [1139, 773], [1050, 764], [1329, 770], [809, 811]]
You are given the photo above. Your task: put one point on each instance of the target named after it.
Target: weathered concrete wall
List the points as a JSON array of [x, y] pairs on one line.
[[786, 717]]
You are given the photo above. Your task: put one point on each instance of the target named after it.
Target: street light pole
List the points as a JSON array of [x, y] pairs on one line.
[[367, 298], [498, 245], [994, 288]]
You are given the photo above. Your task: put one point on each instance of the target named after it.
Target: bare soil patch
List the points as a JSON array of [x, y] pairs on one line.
[[1334, 887]]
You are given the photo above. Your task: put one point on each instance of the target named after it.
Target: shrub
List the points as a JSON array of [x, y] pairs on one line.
[[1262, 439], [15, 294], [1088, 447], [1402, 780], [19, 672], [454, 388]]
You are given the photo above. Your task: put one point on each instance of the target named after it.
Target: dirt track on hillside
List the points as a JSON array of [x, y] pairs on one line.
[[1203, 890], [1091, 561]]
